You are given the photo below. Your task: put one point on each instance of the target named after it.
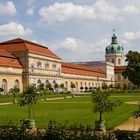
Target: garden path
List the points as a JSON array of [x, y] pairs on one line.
[[131, 124]]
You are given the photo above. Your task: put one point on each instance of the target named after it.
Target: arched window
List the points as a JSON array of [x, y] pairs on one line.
[[38, 83], [113, 60], [89, 85], [119, 61], [47, 82], [85, 84], [77, 86], [66, 85], [4, 86], [17, 83], [54, 82], [81, 84]]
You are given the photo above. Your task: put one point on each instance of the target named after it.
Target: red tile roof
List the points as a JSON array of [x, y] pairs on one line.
[[6, 54], [81, 70], [9, 62], [119, 69], [19, 45]]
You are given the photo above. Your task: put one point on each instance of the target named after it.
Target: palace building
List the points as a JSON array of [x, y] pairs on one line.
[[24, 62]]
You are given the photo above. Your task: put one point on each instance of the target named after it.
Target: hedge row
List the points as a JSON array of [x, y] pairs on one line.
[[56, 131]]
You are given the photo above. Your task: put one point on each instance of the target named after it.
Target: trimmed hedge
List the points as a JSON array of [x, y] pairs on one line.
[[57, 131]]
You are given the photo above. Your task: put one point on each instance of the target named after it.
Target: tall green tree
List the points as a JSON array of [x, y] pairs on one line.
[[132, 71]]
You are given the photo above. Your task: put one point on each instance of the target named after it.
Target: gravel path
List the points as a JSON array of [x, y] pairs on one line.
[[131, 124]]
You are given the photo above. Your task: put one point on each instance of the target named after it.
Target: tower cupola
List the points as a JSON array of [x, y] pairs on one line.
[[114, 47], [114, 52]]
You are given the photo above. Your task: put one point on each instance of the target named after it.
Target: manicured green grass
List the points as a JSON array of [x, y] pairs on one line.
[[78, 109], [4, 99]]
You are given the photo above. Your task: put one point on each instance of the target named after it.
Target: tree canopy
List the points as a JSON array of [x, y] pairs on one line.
[[102, 104], [132, 71]]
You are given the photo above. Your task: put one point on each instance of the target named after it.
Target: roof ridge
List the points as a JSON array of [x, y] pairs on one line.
[[12, 41]]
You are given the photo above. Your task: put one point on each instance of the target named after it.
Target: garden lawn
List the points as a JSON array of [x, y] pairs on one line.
[[78, 109]]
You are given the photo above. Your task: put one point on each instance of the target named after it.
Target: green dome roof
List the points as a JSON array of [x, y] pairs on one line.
[[114, 47]]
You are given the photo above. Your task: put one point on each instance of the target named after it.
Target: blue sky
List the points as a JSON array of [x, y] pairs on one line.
[[76, 30]]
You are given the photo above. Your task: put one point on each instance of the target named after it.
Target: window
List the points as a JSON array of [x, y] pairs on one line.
[[39, 64], [4, 86], [119, 61], [112, 60], [47, 82], [32, 68], [81, 84], [85, 84], [93, 85], [54, 82], [17, 83], [89, 85], [59, 72], [66, 85], [38, 83], [46, 66], [54, 66]]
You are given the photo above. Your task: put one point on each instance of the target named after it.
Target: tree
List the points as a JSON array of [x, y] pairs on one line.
[[86, 88], [15, 90], [41, 87], [56, 86], [28, 98], [136, 113], [132, 71], [104, 86], [49, 86], [102, 104]]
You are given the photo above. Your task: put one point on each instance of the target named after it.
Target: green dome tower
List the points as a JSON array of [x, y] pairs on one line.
[[114, 52]]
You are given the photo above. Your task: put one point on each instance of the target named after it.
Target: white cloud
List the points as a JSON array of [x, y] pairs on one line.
[[14, 29], [131, 9], [99, 46], [68, 45], [30, 11], [131, 35], [68, 11], [30, 2], [106, 11], [7, 8]]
